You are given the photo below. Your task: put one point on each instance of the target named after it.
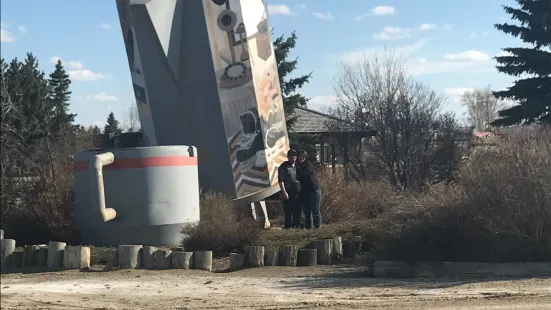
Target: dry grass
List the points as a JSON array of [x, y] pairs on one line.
[[222, 228], [345, 201], [500, 209]]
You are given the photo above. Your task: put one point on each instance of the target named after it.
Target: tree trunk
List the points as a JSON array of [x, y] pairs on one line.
[[337, 248], [130, 256], [307, 257], [202, 260], [163, 259], [255, 256], [148, 257], [325, 250], [236, 261], [181, 259], [288, 255], [55, 254], [271, 258]]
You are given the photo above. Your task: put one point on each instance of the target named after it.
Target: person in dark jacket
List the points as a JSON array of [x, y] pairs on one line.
[[310, 195], [290, 189]]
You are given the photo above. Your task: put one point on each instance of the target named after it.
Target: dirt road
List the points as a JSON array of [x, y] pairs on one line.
[[331, 287]]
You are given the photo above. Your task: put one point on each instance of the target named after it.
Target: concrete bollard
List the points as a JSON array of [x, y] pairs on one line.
[[55, 254], [271, 258], [162, 259], [112, 262], [1, 234], [148, 257], [202, 260], [29, 255], [16, 261], [237, 261], [324, 249], [337, 248], [41, 256], [7, 246], [76, 257], [182, 260], [255, 256], [288, 255], [130, 256]]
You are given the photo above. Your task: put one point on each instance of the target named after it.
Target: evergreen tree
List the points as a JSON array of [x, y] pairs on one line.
[[59, 96], [533, 93], [289, 88], [113, 126], [27, 90]]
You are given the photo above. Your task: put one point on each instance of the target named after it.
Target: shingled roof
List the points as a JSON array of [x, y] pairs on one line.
[[310, 121]]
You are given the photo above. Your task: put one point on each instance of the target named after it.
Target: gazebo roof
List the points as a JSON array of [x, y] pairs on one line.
[[310, 121]]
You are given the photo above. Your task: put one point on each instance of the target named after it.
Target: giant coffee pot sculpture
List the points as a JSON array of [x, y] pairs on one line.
[[205, 74]]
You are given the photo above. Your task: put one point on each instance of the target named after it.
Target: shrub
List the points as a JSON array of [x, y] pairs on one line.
[[500, 209], [344, 200], [222, 229]]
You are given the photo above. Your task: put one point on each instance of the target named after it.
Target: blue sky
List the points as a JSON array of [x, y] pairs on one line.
[[447, 44]]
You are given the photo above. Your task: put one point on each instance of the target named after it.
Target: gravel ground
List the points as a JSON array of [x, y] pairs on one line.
[[321, 287]]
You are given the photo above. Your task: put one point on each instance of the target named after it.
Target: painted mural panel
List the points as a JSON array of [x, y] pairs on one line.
[[135, 65], [255, 132], [266, 80]]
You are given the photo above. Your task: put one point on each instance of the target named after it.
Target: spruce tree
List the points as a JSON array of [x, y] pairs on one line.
[[289, 88], [113, 126], [532, 93], [59, 96]]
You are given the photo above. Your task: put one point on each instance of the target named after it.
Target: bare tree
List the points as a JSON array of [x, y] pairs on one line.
[[416, 142], [132, 122], [482, 107]]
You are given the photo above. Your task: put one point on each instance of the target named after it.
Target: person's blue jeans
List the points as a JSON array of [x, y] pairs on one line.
[[311, 207], [316, 213]]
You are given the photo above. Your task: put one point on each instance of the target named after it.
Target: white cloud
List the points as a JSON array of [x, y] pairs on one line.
[[100, 124], [77, 72], [302, 6], [393, 33], [448, 27], [396, 33], [383, 10], [102, 97], [279, 9], [5, 35], [359, 17], [422, 60], [426, 27], [471, 55], [475, 35], [22, 28], [85, 75], [106, 26], [465, 62], [360, 54], [322, 103], [325, 16], [458, 91], [504, 53]]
